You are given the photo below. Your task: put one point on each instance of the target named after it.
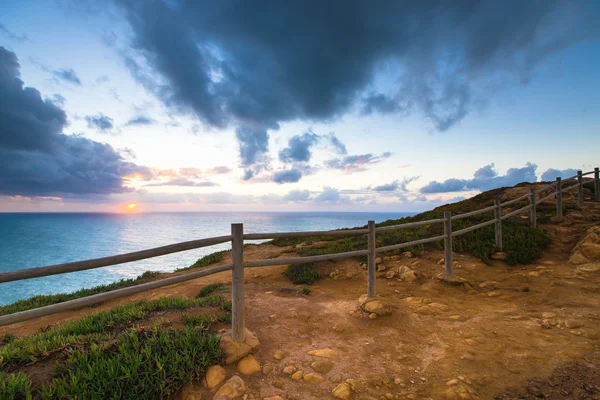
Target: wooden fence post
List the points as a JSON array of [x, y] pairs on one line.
[[597, 183], [371, 260], [237, 289], [498, 224], [559, 207], [448, 242], [580, 189], [532, 210]]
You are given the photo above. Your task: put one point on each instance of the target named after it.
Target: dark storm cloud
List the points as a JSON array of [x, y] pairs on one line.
[[551, 174], [100, 122], [254, 145], [485, 178], [356, 163], [140, 120], [37, 159], [68, 75], [287, 176], [240, 63]]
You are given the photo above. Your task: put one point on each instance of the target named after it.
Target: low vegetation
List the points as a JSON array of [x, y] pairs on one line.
[[46, 300], [302, 274], [211, 288], [110, 352], [205, 261]]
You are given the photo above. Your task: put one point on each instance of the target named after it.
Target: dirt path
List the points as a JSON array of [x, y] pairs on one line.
[[509, 329]]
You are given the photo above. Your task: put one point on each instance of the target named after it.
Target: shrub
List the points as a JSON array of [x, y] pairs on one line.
[[205, 261], [305, 291], [302, 274], [15, 386], [210, 288]]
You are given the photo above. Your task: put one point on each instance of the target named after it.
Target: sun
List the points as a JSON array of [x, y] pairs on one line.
[[131, 207]]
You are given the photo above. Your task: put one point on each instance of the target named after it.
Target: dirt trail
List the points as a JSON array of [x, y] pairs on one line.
[[490, 339]]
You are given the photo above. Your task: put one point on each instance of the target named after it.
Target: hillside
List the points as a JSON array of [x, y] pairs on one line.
[[525, 321]]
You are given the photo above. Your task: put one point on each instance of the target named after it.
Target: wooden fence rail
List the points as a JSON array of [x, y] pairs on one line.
[[238, 264]]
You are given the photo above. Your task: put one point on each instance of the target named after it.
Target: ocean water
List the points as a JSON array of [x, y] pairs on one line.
[[30, 240]]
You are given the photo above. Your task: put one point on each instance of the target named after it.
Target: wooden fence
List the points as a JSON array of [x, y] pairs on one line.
[[238, 264]]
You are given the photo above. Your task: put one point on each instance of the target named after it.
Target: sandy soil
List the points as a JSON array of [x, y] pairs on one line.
[[484, 340]]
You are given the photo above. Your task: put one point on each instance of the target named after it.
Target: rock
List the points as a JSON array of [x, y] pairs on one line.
[[577, 259], [395, 258], [377, 260], [455, 317], [233, 349], [590, 267], [590, 250], [494, 294], [545, 324], [548, 315], [215, 375], [324, 353], [377, 307], [278, 355], [248, 365], [267, 369], [289, 370], [498, 256], [409, 276], [372, 316], [278, 384], [452, 382], [297, 375], [386, 258], [354, 384], [364, 266], [441, 261], [390, 274], [490, 284], [407, 254], [573, 324], [232, 389], [322, 366], [337, 328], [274, 398], [534, 274], [313, 378], [342, 391], [380, 268]]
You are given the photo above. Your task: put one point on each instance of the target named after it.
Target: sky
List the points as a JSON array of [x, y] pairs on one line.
[[291, 106]]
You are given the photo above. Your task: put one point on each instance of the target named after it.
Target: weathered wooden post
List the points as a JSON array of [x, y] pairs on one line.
[[597, 183], [498, 224], [532, 210], [580, 189], [558, 197], [371, 260], [448, 242], [238, 312]]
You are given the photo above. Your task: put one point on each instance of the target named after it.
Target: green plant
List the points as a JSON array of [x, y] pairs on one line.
[[15, 386], [44, 300], [7, 338], [210, 288], [302, 274], [205, 261], [305, 291]]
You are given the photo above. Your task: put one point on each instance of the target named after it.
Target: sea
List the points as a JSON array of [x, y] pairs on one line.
[[29, 240]]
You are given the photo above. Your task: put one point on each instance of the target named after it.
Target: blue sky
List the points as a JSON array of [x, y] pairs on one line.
[[195, 107]]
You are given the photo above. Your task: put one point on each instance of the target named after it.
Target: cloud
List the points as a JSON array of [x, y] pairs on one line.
[[183, 182], [190, 172], [68, 75], [140, 120], [287, 176], [100, 122], [12, 36], [218, 170], [102, 79], [396, 185], [551, 174], [254, 145], [37, 159], [356, 163], [58, 99], [297, 195], [485, 178], [249, 65], [299, 148], [337, 144]]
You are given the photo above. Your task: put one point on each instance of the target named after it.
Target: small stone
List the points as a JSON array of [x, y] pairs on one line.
[[452, 382], [372, 316], [335, 378], [338, 328], [248, 365], [494, 294], [377, 260], [324, 353], [534, 274], [278, 384], [548, 315], [267, 369], [232, 389], [455, 317], [322, 366], [573, 324], [342, 391], [274, 398], [278, 355], [289, 370], [390, 274], [389, 396], [441, 261], [296, 376], [407, 254], [272, 316], [313, 378], [409, 276], [386, 258], [380, 268], [215, 375]]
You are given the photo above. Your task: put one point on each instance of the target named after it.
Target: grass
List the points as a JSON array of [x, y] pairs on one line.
[[45, 300], [205, 261], [305, 291], [302, 274], [108, 355], [211, 288]]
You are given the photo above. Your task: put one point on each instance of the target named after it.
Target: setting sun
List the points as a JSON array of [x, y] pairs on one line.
[[131, 208]]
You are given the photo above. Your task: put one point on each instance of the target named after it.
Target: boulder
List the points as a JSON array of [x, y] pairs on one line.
[[232, 389], [248, 365], [215, 375], [374, 305], [235, 350], [342, 391], [590, 250]]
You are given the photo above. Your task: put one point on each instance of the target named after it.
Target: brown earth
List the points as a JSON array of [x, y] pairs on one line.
[[486, 339]]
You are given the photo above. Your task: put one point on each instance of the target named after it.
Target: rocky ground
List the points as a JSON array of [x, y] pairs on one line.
[[524, 332]]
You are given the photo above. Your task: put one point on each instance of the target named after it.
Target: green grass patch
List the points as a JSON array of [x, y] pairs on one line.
[[45, 300], [15, 386], [143, 364], [302, 274], [205, 261], [305, 291], [211, 288]]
